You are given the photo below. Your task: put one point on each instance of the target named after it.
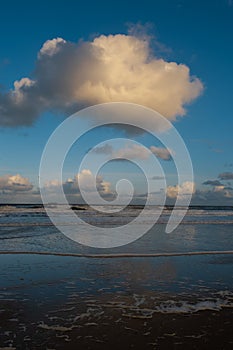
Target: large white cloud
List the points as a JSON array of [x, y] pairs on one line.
[[69, 76]]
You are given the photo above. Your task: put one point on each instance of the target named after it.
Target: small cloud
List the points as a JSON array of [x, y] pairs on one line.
[[219, 195], [157, 177], [213, 183], [132, 152], [226, 165], [226, 176], [85, 179], [162, 153], [218, 188], [141, 152], [105, 149], [228, 188], [217, 150], [180, 191], [119, 160], [14, 183]]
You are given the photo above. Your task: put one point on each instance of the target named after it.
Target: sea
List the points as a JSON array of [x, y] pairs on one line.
[[50, 283]]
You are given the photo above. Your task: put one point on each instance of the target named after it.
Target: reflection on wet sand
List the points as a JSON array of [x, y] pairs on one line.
[[51, 302]]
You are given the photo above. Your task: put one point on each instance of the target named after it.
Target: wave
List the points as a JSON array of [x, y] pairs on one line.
[[25, 224], [121, 255], [177, 307], [173, 307], [197, 208], [144, 307], [118, 222], [7, 208]]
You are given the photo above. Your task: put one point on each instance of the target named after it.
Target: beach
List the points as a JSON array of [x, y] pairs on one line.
[[158, 293], [116, 175], [52, 302]]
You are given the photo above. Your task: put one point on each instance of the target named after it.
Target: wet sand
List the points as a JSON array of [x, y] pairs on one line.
[[202, 330], [74, 303]]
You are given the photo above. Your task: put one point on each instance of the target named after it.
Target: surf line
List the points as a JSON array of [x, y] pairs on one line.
[[121, 255]]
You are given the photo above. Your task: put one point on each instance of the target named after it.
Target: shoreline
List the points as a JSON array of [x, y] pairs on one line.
[[121, 255]]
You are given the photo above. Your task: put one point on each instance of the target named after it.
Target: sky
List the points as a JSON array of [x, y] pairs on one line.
[[172, 56]]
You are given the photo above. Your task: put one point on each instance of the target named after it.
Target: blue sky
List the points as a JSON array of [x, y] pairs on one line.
[[195, 33]]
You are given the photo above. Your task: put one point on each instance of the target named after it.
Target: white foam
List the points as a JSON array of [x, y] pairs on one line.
[[55, 327], [170, 307], [136, 310]]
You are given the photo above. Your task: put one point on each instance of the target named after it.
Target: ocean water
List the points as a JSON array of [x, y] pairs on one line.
[[27, 228], [67, 285]]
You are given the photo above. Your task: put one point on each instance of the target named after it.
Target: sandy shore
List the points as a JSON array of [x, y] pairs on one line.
[[74, 303], [202, 330]]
